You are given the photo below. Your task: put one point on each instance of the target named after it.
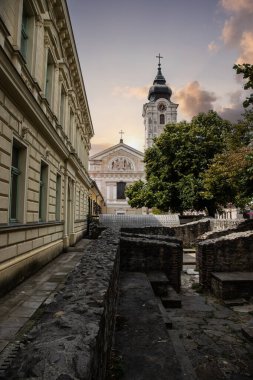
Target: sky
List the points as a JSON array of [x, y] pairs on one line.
[[200, 40]]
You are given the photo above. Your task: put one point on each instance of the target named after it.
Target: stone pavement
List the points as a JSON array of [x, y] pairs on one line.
[[141, 338], [212, 335], [20, 308]]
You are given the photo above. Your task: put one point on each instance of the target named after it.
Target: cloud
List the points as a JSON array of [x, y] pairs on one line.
[[246, 45], [237, 5], [213, 47], [193, 99], [232, 114], [233, 111], [238, 28], [131, 92]]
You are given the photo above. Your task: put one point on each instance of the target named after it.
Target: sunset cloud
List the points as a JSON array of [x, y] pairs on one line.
[[233, 111], [213, 47], [237, 5], [193, 99], [246, 45], [131, 92], [238, 28]]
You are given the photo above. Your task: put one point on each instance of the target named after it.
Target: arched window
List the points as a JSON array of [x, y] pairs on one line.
[[162, 119]]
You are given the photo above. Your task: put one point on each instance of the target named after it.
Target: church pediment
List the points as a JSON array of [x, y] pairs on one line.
[[119, 149]]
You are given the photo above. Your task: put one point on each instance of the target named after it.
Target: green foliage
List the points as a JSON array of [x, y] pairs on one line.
[[175, 162], [247, 70], [229, 177]]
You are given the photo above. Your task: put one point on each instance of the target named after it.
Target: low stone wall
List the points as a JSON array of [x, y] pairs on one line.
[[73, 339], [188, 233], [147, 254], [148, 230], [233, 252], [221, 224], [235, 226]]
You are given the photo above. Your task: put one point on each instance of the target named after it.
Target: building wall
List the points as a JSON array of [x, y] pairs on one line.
[[45, 131]]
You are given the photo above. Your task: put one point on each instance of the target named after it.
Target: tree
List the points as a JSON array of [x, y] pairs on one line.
[[247, 70], [229, 178], [177, 159]]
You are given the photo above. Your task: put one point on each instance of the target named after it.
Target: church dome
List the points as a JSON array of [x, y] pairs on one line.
[[159, 88]]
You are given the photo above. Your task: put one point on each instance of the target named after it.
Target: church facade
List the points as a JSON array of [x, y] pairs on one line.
[[113, 169], [160, 110]]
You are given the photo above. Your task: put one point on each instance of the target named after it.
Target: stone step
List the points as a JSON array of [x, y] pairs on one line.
[[158, 277], [172, 300], [189, 259], [189, 250], [159, 282], [166, 319], [231, 285]]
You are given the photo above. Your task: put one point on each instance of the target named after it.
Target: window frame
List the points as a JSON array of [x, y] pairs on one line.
[[43, 191]]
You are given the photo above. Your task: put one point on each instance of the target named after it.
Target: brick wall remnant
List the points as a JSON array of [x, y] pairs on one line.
[[231, 253], [240, 226], [147, 254]]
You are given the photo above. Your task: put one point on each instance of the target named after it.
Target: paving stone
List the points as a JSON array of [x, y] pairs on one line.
[[235, 302], [3, 344], [192, 272], [243, 308], [248, 332]]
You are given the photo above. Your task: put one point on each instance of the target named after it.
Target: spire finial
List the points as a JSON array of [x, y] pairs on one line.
[[159, 57], [121, 139]]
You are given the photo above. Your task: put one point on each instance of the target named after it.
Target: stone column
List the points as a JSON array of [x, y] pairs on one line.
[[73, 215]]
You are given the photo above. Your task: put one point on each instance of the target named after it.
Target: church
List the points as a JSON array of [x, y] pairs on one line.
[[112, 170], [120, 165]]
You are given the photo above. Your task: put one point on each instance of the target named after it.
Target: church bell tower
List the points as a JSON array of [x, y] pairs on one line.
[[160, 110]]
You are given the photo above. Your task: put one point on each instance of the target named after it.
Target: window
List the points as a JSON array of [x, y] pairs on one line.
[[58, 198], [24, 33], [17, 186], [121, 190], [162, 119], [62, 106], [27, 31], [15, 173], [43, 191], [49, 77], [71, 126]]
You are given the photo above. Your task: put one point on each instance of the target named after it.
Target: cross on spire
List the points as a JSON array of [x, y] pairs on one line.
[[159, 57], [121, 133]]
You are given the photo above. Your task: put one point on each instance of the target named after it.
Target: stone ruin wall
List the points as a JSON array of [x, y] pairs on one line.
[[140, 253], [73, 338], [74, 335], [229, 253], [187, 233]]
